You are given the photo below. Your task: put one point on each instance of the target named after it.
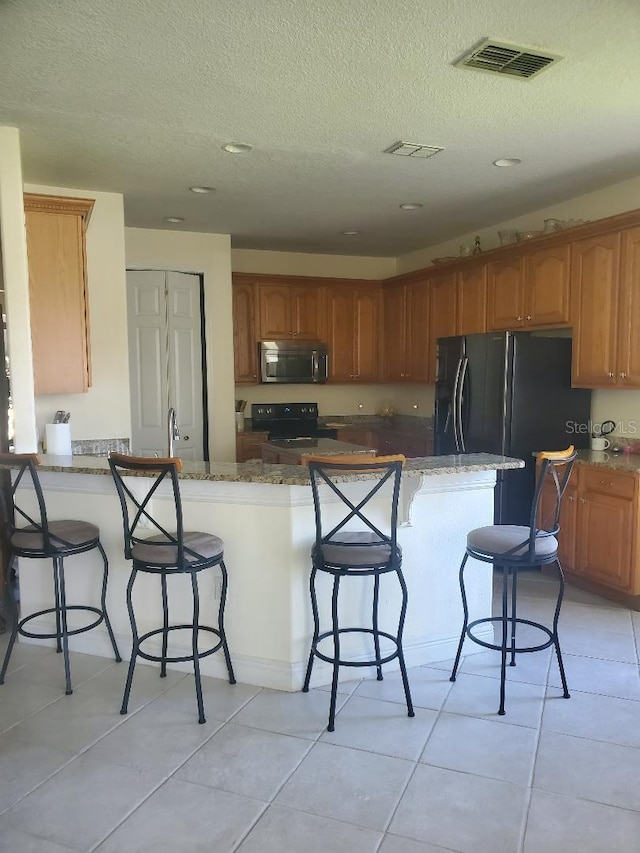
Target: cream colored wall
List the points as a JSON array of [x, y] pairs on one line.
[[208, 254], [15, 277], [596, 205], [103, 411], [296, 263]]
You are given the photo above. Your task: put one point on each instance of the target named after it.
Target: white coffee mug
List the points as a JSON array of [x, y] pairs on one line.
[[599, 442]]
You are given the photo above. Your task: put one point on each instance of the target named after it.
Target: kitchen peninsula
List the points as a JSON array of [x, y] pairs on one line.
[[264, 514]]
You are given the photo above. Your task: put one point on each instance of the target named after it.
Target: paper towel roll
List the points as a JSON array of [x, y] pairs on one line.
[[59, 439]]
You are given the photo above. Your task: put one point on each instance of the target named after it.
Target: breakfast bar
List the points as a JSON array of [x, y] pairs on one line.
[[264, 514]]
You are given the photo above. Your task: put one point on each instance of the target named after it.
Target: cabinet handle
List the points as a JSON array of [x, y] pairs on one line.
[[570, 498], [623, 375], [606, 483], [610, 374], [529, 317], [519, 319], [583, 500]]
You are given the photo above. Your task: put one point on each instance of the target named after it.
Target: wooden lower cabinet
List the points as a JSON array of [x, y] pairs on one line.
[[599, 522], [249, 445]]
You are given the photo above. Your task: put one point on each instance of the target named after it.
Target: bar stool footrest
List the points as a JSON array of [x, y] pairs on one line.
[[56, 635], [182, 658], [340, 662], [497, 620]]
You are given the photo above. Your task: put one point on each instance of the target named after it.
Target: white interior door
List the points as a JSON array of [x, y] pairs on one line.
[[165, 361]]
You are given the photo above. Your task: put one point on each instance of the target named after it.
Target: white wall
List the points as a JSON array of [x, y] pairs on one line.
[[209, 255], [15, 279], [296, 263], [104, 410]]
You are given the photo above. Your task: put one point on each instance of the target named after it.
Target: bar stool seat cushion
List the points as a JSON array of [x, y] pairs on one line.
[[355, 550], [76, 533], [205, 546], [499, 538]]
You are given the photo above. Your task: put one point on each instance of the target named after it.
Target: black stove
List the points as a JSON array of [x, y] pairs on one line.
[[289, 421]]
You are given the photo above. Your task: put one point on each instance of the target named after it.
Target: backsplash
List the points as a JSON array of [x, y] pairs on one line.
[[100, 446]]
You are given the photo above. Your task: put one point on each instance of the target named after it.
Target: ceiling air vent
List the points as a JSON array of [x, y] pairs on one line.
[[413, 149], [499, 57]]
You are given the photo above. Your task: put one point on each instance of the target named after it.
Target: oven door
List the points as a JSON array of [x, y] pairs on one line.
[[292, 363]]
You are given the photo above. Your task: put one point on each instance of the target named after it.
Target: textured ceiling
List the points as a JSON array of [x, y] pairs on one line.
[[138, 96]]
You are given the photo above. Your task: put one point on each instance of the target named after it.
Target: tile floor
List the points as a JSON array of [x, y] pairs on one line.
[[264, 775]]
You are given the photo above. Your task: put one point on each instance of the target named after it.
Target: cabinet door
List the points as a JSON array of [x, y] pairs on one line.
[[442, 314], [244, 335], [366, 337], [472, 301], [594, 310], [58, 293], [505, 295], [547, 287], [308, 312], [629, 314], [394, 337], [274, 302], [605, 538], [340, 334], [417, 332]]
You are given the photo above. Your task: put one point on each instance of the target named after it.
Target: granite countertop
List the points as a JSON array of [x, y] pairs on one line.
[[619, 461], [317, 447], [292, 475]]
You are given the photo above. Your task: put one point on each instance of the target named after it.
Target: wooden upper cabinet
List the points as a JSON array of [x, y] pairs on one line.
[[595, 265], [291, 311], [443, 295], [417, 332], [505, 295], [394, 312], [628, 366], [274, 302], [406, 332], [245, 351], [546, 287], [58, 292], [366, 338], [472, 301], [353, 322]]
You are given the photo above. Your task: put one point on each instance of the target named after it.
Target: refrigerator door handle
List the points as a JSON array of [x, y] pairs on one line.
[[455, 405], [463, 373]]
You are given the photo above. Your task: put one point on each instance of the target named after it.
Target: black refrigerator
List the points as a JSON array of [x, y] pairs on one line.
[[508, 393]]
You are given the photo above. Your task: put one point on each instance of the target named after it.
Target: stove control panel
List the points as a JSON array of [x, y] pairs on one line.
[[283, 411]]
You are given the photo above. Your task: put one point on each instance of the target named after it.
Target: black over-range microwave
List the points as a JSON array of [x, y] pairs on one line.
[[293, 361]]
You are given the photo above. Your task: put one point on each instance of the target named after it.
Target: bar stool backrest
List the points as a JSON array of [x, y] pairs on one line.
[[332, 471], [555, 467], [25, 464], [136, 517]]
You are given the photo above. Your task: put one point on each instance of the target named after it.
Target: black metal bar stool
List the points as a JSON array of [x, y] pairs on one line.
[[365, 552], [167, 553], [511, 548], [55, 540]]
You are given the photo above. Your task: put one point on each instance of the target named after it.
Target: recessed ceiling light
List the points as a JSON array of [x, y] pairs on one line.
[[174, 219], [202, 190], [410, 205], [237, 148], [507, 161], [350, 233]]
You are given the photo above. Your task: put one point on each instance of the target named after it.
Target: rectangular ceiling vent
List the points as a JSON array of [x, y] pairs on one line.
[[499, 57], [413, 149]]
